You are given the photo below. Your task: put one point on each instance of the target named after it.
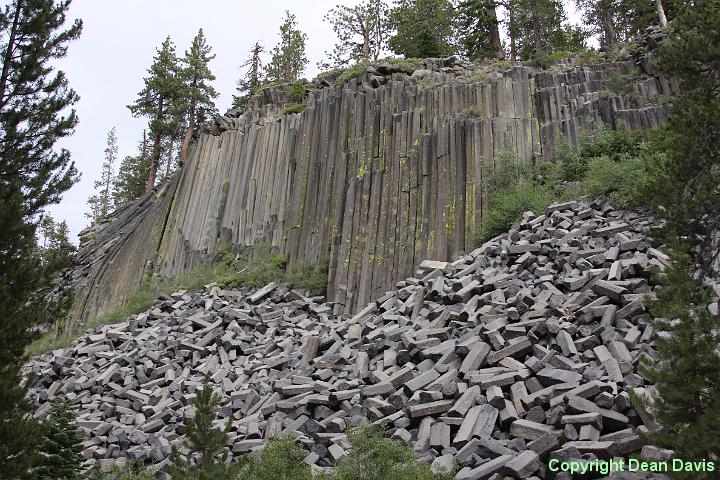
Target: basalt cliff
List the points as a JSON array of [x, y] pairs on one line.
[[375, 174]]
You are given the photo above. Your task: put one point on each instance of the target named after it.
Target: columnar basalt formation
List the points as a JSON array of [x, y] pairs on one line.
[[375, 175]]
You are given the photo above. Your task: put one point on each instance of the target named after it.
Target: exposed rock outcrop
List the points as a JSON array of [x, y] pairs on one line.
[[376, 174]]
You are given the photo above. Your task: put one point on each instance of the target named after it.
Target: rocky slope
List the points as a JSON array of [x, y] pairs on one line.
[[376, 174], [524, 350]]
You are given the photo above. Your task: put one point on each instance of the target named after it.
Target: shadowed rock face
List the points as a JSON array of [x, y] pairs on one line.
[[376, 175]]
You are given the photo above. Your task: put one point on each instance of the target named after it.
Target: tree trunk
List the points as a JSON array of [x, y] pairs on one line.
[[609, 37], [9, 52], [511, 32], [188, 136], [157, 151], [495, 30], [661, 13], [169, 158], [152, 172], [144, 147]]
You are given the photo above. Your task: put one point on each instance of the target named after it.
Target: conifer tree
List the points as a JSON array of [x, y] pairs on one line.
[[538, 28], [198, 92], [204, 439], [288, 57], [362, 32], [250, 82], [55, 250], [686, 180], [423, 28], [479, 29], [35, 112], [62, 445], [131, 178], [687, 368], [162, 101], [100, 202]]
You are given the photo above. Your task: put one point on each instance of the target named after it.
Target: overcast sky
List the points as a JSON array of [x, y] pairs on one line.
[[107, 64]]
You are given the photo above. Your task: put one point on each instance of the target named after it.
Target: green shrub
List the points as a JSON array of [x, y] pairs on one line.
[[282, 458], [296, 91], [309, 277], [124, 472], [507, 206], [374, 457], [295, 108], [255, 268], [472, 111]]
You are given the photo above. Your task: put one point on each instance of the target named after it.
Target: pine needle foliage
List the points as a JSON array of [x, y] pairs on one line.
[[62, 445]]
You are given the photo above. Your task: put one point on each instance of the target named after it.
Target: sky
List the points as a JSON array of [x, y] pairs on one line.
[[107, 64]]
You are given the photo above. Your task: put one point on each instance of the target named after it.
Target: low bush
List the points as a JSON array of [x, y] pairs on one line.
[[374, 457], [295, 108], [507, 206], [282, 458]]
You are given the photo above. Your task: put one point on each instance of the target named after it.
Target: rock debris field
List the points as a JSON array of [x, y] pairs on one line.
[[524, 350]]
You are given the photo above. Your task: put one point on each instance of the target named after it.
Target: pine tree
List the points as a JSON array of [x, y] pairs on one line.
[[479, 30], [538, 28], [62, 445], [686, 371], [162, 101], [33, 103], [55, 250], [100, 202], [131, 178], [35, 112], [199, 94], [250, 82], [686, 180], [361, 30], [423, 28], [288, 57], [204, 439]]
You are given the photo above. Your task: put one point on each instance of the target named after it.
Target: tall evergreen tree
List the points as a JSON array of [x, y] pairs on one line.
[[62, 445], [423, 28], [162, 101], [35, 112], [361, 30], [538, 27], [100, 202], [479, 29], [131, 178], [687, 366], [687, 179], [198, 92], [250, 82], [288, 57], [55, 250]]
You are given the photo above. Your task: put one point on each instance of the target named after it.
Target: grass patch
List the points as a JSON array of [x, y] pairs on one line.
[[253, 268], [138, 302]]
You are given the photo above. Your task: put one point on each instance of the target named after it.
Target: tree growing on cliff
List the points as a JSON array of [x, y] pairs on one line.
[[131, 179], [253, 78], [423, 28], [198, 92], [539, 27], [101, 202], [288, 57], [361, 31], [35, 112], [479, 29], [161, 101]]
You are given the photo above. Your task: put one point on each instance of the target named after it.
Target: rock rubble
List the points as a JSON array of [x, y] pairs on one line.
[[525, 349]]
